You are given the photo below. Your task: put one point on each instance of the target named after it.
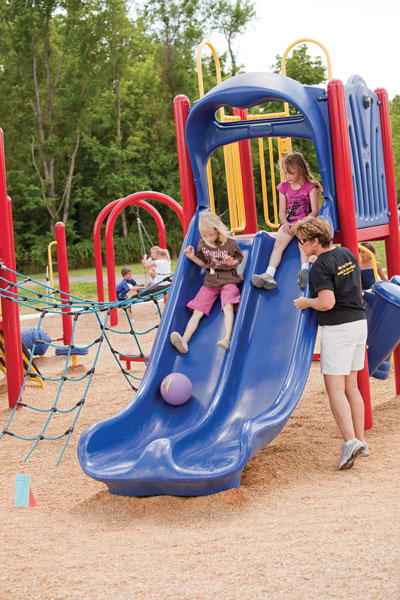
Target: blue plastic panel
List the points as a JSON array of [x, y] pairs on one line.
[[204, 133], [367, 160]]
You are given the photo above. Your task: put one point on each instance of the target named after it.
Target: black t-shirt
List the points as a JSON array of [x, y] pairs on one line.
[[337, 270]]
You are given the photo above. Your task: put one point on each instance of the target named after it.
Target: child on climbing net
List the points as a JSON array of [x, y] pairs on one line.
[[159, 264], [367, 268], [219, 254], [127, 286], [299, 197]]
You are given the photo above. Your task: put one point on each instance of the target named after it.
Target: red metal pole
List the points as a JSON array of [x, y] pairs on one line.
[[342, 165], [188, 191], [345, 201], [133, 199], [246, 167], [98, 261], [107, 209], [63, 277], [392, 242], [10, 311]]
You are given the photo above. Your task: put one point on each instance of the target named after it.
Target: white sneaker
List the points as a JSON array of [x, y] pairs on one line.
[[302, 278], [350, 451], [264, 280], [365, 453]]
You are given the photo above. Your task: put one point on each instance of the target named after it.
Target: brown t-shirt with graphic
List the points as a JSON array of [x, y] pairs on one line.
[[220, 273]]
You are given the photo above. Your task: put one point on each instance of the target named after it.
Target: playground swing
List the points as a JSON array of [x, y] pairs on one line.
[[142, 230]]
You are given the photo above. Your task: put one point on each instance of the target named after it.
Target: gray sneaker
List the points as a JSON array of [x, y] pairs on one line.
[[365, 453], [177, 340], [302, 278], [265, 280], [350, 451]]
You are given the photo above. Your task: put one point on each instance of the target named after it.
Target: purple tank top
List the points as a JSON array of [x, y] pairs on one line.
[[298, 204]]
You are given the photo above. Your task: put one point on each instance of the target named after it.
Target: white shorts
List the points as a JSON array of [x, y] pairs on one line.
[[343, 347]]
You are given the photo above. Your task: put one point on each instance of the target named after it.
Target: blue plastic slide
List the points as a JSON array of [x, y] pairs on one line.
[[241, 398]]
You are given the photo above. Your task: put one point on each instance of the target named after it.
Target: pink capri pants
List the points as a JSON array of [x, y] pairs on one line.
[[206, 296]]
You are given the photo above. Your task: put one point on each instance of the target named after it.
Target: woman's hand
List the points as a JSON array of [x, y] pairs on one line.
[[301, 302], [287, 227]]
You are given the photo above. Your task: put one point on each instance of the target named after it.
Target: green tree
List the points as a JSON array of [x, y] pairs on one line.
[[302, 67], [51, 57], [395, 121]]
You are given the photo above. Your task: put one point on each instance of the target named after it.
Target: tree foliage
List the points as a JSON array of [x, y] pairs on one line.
[[395, 121], [86, 106]]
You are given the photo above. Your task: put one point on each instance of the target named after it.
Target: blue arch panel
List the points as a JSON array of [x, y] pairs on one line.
[[367, 160], [204, 133]]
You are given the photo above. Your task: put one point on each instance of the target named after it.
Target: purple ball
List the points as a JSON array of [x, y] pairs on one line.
[[176, 389]]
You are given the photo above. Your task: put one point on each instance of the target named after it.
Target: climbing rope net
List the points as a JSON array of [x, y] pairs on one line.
[[53, 301]]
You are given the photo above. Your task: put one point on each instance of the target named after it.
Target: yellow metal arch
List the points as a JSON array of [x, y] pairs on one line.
[[301, 41], [284, 144], [372, 257], [231, 151], [231, 156]]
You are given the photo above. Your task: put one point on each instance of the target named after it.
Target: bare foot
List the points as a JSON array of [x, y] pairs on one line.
[[177, 340], [223, 344]]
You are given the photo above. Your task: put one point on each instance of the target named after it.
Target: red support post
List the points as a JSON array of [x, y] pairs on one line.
[[98, 261], [188, 191], [345, 201], [63, 277], [134, 199], [107, 209], [246, 167], [392, 242], [10, 312]]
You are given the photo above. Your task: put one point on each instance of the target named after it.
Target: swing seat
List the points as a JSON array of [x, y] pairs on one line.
[[75, 351]]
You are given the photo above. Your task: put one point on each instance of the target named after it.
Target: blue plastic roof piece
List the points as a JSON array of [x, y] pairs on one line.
[[205, 133]]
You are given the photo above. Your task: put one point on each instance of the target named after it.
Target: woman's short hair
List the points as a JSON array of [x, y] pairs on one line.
[[310, 228]]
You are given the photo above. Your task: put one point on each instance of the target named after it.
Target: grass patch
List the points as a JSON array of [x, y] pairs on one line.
[[81, 289], [137, 269]]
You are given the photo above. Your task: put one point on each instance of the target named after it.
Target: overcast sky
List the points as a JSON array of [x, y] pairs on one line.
[[361, 36]]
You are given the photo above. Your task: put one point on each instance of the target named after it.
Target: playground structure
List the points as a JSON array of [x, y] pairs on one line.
[[203, 447], [113, 209], [243, 398], [15, 359]]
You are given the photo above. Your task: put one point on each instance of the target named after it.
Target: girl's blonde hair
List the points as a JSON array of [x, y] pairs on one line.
[[164, 253], [160, 252], [297, 162], [209, 221]]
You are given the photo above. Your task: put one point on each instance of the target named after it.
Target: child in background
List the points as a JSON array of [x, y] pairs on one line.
[[219, 254], [159, 264], [127, 285], [367, 268], [299, 197]]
